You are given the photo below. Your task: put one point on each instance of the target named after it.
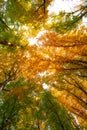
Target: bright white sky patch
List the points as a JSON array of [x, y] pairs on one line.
[[45, 86], [84, 21], [42, 74], [59, 5], [25, 27], [65, 5], [33, 41]]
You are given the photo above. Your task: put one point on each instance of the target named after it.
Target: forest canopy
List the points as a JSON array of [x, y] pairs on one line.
[[43, 66]]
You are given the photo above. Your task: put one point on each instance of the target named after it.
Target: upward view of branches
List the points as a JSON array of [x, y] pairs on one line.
[[43, 66]]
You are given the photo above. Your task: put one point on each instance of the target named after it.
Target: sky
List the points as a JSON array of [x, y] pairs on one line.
[[66, 5]]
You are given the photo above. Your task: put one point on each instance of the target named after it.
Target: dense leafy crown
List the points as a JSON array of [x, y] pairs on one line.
[[43, 66]]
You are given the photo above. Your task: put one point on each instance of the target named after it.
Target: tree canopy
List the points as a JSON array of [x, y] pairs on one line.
[[43, 66]]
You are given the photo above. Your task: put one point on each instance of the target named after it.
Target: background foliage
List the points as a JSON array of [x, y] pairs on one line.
[[43, 86]]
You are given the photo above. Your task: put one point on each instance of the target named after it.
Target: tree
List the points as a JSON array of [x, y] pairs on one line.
[[40, 111], [64, 22], [68, 64], [57, 63]]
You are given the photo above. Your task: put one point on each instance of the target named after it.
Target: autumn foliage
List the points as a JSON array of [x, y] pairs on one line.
[[43, 86]]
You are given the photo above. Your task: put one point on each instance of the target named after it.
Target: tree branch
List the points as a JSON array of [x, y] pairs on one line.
[[6, 26]]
